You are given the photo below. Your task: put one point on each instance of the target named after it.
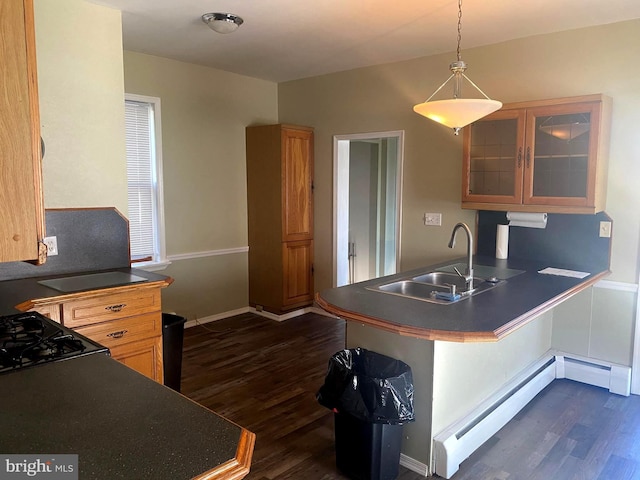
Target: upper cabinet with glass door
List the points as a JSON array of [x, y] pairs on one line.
[[544, 156]]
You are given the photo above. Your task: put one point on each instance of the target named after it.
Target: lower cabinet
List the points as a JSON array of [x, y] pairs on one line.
[[128, 322], [144, 356], [297, 262]]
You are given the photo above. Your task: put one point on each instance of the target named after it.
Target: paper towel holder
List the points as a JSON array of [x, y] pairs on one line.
[[527, 219]]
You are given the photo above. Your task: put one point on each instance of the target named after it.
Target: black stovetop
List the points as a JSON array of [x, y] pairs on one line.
[[29, 339]]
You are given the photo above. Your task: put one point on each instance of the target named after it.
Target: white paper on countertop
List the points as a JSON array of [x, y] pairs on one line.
[[563, 273]]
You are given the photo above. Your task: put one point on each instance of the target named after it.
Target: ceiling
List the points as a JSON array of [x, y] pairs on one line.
[[283, 40]]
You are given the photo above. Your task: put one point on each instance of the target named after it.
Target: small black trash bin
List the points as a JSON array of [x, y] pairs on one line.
[[172, 340], [372, 397]]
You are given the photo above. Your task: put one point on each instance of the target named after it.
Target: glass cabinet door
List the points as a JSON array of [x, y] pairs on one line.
[[559, 156], [493, 153]]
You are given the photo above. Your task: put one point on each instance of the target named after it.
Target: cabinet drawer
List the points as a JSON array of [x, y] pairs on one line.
[[93, 310], [118, 332]]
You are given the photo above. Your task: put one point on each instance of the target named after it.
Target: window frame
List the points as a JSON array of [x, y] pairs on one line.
[[160, 261]]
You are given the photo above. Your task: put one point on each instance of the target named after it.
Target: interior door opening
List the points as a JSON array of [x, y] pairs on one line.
[[367, 205]]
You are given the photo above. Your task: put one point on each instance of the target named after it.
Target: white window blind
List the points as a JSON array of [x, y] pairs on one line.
[[144, 183]]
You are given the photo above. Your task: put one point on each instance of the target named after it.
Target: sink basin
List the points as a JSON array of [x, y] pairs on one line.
[[425, 287], [446, 279], [484, 271], [415, 290]]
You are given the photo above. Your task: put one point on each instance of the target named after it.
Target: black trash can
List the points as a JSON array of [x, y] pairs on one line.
[[172, 341], [372, 398]]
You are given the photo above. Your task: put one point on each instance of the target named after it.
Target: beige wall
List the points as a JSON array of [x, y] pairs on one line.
[[381, 98], [596, 323], [204, 115], [80, 83], [466, 374], [585, 61]]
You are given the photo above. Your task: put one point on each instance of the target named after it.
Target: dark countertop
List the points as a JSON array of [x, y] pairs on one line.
[[23, 291], [119, 423], [485, 317]]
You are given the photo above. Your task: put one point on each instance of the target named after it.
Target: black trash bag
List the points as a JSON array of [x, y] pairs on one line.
[[368, 386]]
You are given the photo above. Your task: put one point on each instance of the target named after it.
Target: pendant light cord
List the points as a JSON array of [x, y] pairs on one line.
[[459, 28]]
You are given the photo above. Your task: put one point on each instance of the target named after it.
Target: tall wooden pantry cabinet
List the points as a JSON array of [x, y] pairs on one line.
[[280, 216]]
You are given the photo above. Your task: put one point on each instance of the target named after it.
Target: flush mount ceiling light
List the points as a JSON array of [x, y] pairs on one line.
[[222, 22], [457, 112]]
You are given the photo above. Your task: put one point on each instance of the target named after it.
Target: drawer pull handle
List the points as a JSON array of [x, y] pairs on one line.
[[116, 308], [119, 334]]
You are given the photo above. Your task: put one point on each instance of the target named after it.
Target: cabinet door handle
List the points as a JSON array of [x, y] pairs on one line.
[[119, 334], [519, 157], [116, 308], [528, 157]]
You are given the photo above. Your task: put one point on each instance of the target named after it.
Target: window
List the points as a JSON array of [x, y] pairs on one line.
[[144, 179]]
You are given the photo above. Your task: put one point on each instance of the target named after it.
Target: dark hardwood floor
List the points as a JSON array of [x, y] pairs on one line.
[[264, 374]]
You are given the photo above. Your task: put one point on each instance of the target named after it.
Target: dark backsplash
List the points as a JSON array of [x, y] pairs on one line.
[[569, 240], [89, 239]]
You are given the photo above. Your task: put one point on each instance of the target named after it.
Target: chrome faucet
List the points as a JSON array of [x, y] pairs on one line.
[[468, 276]]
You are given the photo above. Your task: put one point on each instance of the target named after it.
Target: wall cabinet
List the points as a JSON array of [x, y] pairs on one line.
[[280, 216], [21, 199], [545, 156], [127, 321]]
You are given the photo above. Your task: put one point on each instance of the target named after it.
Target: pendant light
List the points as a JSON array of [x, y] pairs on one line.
[[457, 112]]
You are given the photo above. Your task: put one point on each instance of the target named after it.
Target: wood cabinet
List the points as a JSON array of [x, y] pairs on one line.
[[280, 216], [127, 320], [544, 156], [21, 199]]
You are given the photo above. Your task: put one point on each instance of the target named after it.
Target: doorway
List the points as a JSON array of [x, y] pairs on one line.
[[367, 183]]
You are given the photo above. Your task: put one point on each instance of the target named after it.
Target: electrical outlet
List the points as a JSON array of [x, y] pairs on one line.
[[433, 219], [605, 229], [52, 245]]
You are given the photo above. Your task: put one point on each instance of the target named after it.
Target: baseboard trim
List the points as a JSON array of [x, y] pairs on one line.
[[455, 443], [414, 465], [615, 378], [218, 316], [283, 317], [263, 313]]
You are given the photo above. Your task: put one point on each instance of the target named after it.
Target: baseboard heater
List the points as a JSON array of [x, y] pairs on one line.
[[454, 444]]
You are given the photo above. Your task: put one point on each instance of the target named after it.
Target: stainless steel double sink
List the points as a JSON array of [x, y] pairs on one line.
[[437, 286]]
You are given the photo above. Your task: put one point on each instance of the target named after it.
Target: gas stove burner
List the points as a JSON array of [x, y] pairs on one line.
[[28, 339], [44, 351], [14, 329]]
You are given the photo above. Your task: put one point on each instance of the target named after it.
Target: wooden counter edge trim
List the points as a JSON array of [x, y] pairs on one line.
[[238, 467], [456, 336], [65, 297], [513, 325], [416, 332]]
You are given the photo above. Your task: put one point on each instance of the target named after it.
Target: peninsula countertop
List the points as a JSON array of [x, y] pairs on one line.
[[119, 423], [486, 317]]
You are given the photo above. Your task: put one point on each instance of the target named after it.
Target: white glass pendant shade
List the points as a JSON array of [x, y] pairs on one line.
[[457, 112]]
